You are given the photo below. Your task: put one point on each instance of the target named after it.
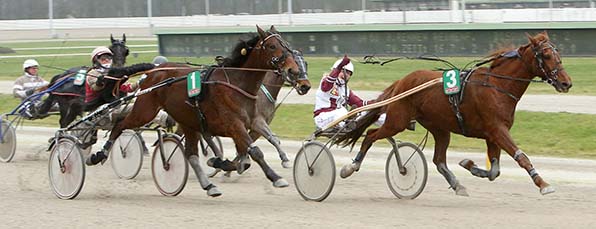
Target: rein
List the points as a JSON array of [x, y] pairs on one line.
[[243, 92]]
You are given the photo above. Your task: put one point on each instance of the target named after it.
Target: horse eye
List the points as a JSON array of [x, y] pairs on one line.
[[272, 46], [547, 56]]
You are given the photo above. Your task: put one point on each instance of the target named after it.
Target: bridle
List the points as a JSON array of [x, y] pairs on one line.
[[550, 75], [277, 61]]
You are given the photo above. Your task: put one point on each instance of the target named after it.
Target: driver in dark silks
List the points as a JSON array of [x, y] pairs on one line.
[[95, 97]]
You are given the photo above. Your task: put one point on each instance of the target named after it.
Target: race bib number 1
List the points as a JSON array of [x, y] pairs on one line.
[[451, 82], [80, 77], [193, 84]]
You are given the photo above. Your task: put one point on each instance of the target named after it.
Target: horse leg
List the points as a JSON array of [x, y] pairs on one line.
[[191, 153], [137, 117], [65, 114], [494, 154], [260, 128], [218, 156], [442, 139], [504, 140], [391, 127], [244, 142]]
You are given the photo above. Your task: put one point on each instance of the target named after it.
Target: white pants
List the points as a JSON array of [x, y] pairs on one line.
[[323, 119]]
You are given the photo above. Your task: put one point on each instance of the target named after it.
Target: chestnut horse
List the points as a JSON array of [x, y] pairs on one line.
[[227, 104], [488, 109]]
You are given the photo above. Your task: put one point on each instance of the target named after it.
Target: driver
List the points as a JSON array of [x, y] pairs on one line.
[[333, 95]]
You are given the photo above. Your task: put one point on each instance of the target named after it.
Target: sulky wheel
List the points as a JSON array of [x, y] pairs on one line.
[[8, 142], [169, 167], [314, 171], [411, 180], [66, 169], [126, 155]]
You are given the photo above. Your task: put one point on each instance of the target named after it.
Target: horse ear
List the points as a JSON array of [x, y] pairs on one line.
[[532, 40], [124, 37], [545, 34], [273, 30], [111, 38], [261, 32]]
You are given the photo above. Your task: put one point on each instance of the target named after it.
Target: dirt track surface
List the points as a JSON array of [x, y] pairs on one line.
[[250, 200]]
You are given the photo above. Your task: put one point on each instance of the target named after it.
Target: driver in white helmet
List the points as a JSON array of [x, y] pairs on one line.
[[334, 95], [26, 85]]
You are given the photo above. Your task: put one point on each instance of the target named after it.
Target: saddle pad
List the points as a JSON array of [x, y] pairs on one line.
[[79, 78], [193, 84], [451, 81]]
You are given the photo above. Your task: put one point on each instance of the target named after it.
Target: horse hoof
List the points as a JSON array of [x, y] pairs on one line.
[[466, 164], [215, 172], [280, 183], [228, 174], [460, 190], [547, 190], [214, 192], [347, 170], [242, 166], [286, 164]]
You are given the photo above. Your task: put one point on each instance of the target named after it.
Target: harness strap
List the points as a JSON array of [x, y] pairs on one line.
[[267, 94], [66, 94], [250, 96], [200, 116]]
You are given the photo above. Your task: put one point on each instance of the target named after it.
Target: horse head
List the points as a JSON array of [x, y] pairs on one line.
[[546, 62], [299, 80], [120, 50], [276, 52]]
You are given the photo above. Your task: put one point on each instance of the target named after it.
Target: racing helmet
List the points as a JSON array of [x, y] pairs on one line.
[[349, 66], [30, 63]]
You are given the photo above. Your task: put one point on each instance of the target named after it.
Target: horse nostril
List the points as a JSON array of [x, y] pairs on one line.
[[566, 85]]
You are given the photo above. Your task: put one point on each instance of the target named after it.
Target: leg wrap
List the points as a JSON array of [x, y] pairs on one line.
[[518, 154], [107, 146], [442, 168], [211, 185], [359, 158], [532, 172], [254, 151]]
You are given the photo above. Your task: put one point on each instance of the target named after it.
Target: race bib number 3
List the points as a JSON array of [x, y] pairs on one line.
[[451, 82], [193, 84]]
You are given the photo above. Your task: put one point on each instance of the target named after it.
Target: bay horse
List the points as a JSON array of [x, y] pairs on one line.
[[266, 107], [227, 104], [70, 97], [488, 109]]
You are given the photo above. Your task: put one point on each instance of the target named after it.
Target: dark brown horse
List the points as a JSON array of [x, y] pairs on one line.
[[227, 105], [266, 104], [488, 109], [70, 96]]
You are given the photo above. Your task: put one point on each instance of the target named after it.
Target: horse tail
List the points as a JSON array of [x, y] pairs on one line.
[[362, 123]]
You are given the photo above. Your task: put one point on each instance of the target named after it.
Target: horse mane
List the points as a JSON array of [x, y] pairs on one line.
[[495, 54], [236, 59]]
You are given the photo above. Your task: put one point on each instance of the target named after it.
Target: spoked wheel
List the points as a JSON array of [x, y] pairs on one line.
[[314, 171], [8, 142], [408, 183], [205, 155], [66, 169], [171, 172], [126, 155]]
